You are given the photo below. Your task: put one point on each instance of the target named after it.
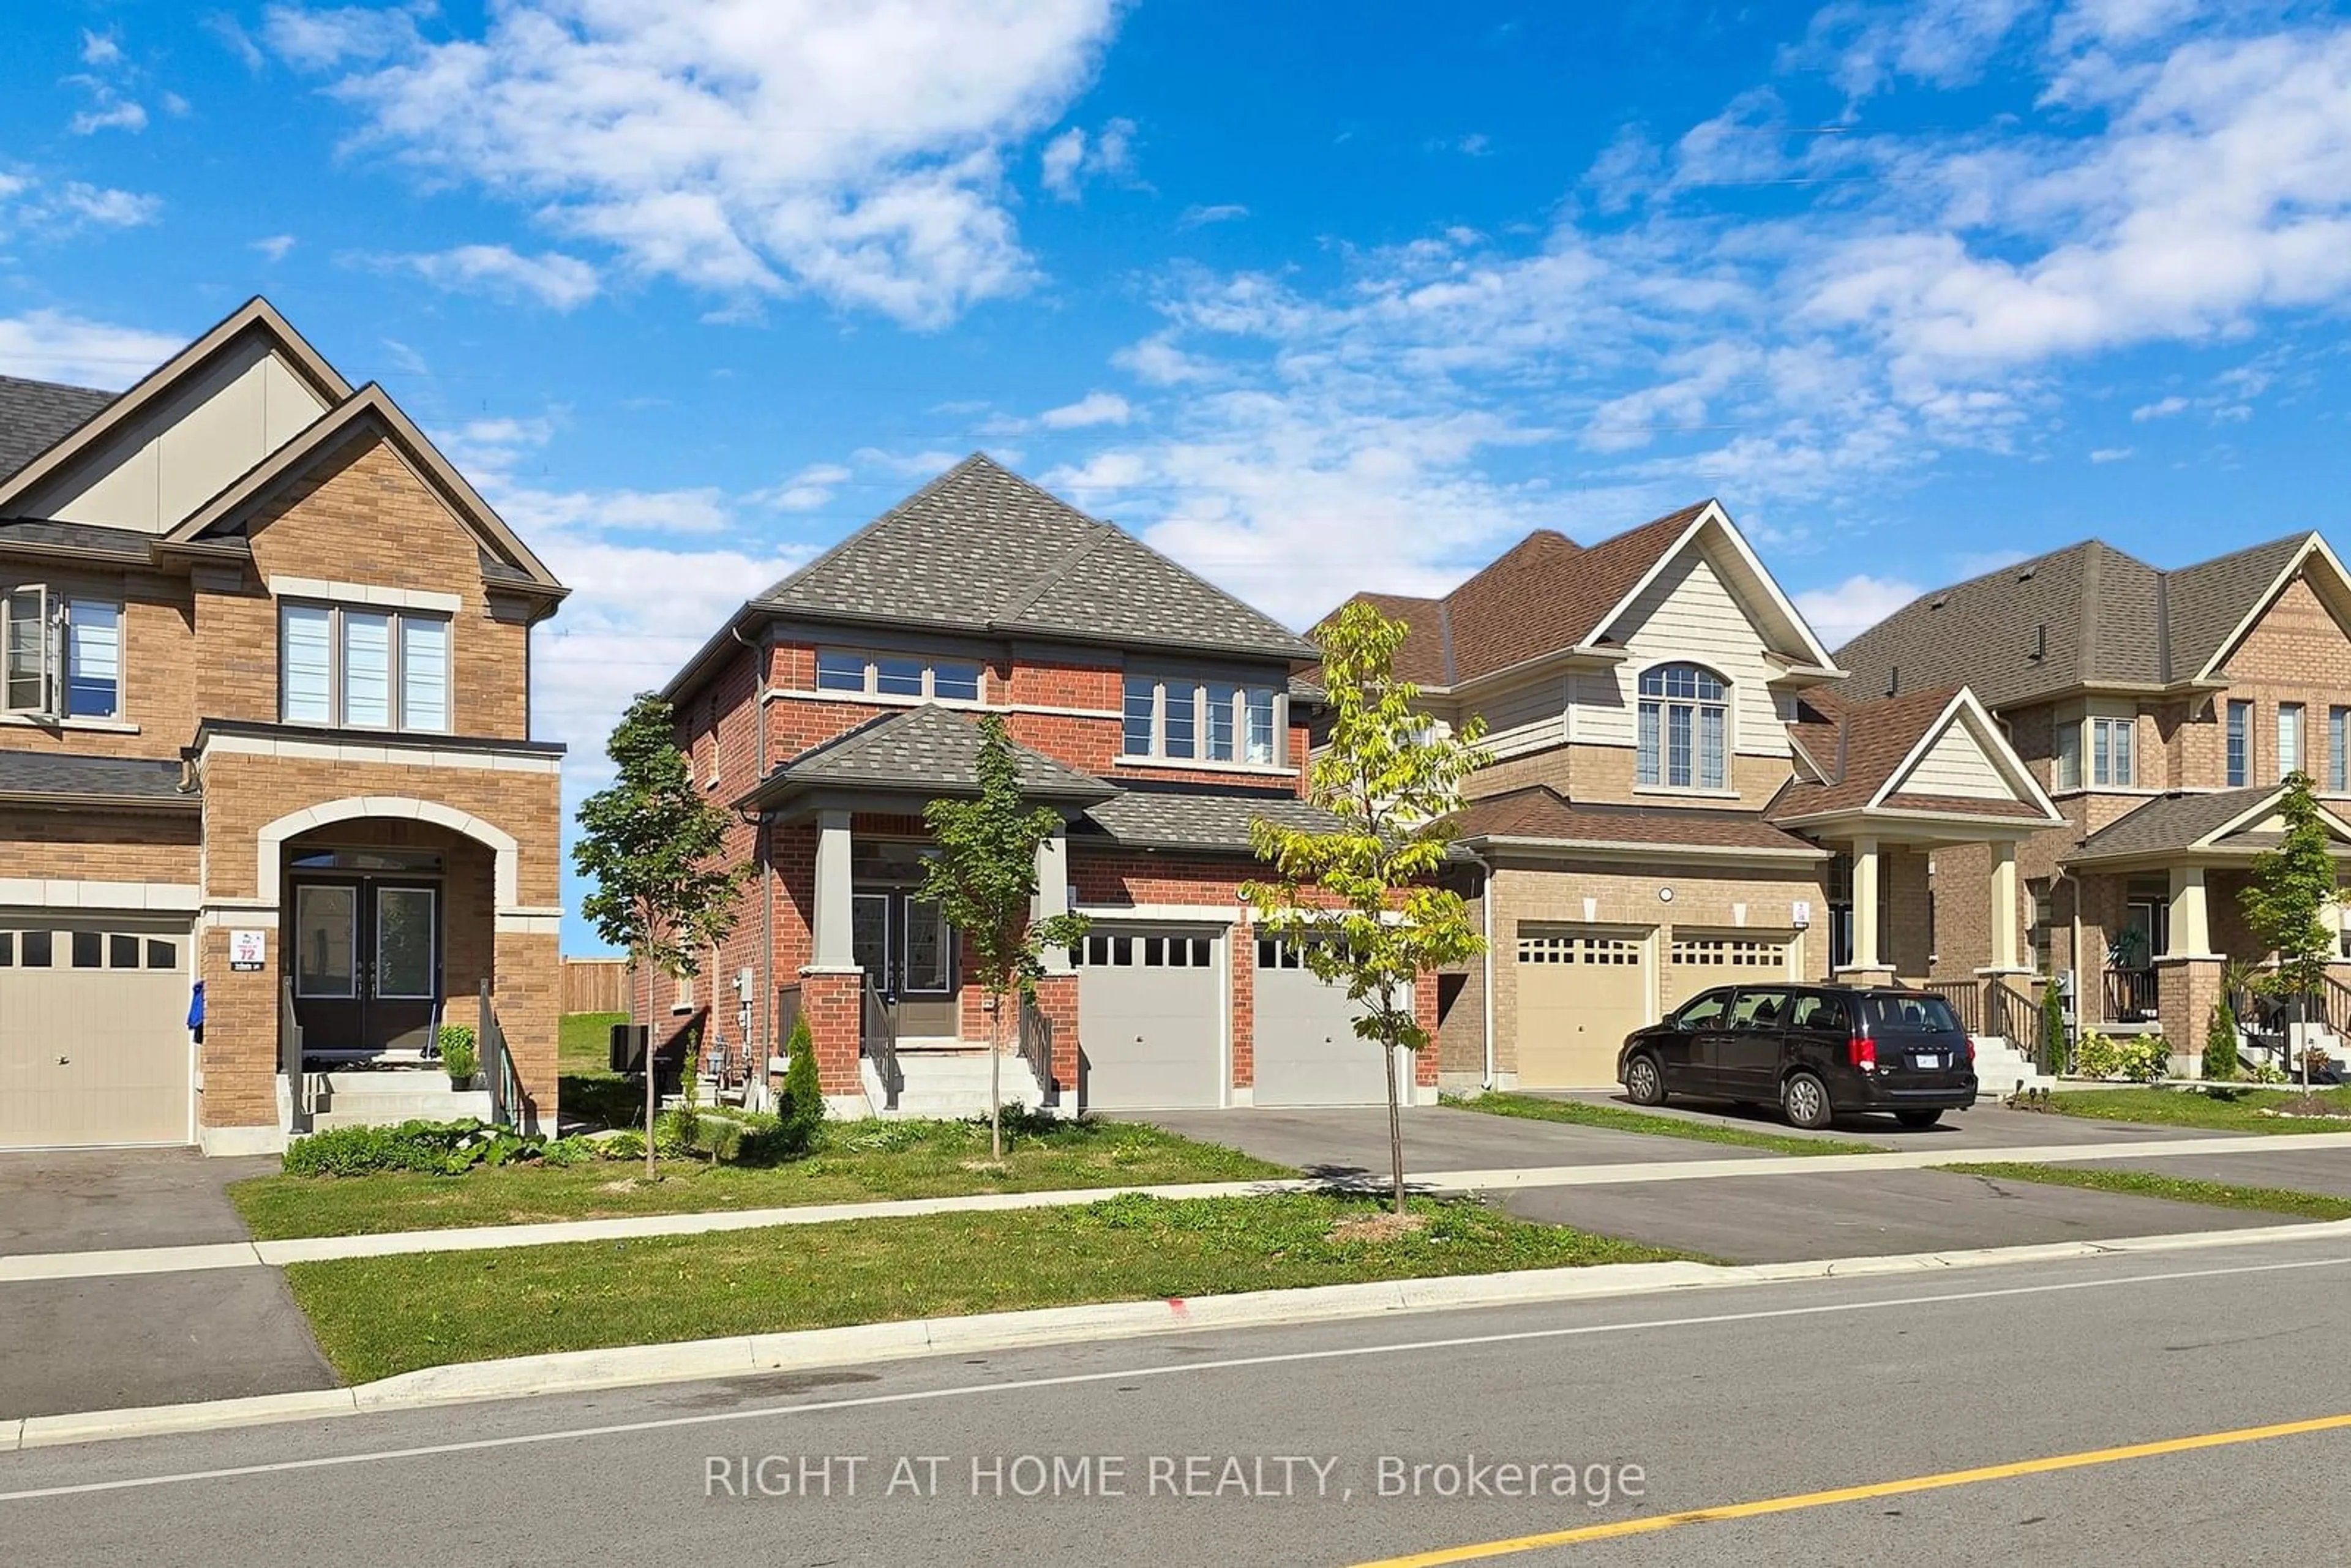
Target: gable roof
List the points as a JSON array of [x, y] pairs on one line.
[[1867, 756], [1546, 594], [2088, 615], [928, 750], [36, 415], [1540, 817], [255, 316], [2212, 819], [980, 549]]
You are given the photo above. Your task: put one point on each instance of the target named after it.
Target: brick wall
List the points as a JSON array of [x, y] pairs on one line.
[[100, 846]]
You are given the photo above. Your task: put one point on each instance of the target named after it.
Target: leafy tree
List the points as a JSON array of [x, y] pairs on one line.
[[984, 879], [802, 1110], [653, 848], [1359, 898], [2291, 885]]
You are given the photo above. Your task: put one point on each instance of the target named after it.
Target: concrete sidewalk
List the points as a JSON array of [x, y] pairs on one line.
[[1745, 1166]]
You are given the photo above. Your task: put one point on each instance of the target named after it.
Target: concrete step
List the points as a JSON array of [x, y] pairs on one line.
[[2003, 1068], [951, 1086], [385, 1099]]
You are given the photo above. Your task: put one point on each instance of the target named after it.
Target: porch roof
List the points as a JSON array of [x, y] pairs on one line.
[[1541, 815], [55, 778], [925, 751], [1182, 819], [2198, 824]]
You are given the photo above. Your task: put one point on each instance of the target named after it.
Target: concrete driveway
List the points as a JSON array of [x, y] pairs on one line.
[[146, 1339]]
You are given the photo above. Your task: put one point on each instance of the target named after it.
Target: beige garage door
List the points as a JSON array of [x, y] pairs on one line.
[[93, 1031], [1700, 960], [1581, 992], [1150, 1012]]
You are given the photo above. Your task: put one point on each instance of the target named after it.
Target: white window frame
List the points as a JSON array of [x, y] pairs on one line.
[[396, 663], [2099, 745], [2338, 751], [2065, 767], [1237, 706], [872, 659], [2237, 771], [1654, 770], [46, 647], [2292, 738]]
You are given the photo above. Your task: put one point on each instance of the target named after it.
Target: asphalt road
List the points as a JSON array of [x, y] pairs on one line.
[[1720, 1398]]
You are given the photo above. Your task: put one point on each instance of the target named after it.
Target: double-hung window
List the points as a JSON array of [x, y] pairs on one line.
[[2069, 755], [897, 676], [1181, 720], [363, 668], [2110, 751], [2289, 756], [1684, 715], [61, 657], [2241, 745]]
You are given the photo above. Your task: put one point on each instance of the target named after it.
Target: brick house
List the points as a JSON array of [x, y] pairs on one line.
[[1157, 713], [2160, 710], [266, 729], [1681, 798]]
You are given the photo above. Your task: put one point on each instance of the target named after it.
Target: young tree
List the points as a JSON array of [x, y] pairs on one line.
[[653, 848], [2291, 885], [2052, 1027], [1360, 898], [984, 879]]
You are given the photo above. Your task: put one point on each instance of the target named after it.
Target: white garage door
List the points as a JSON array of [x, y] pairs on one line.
[[1581, 992], [1151, 1011], [93, 1030], [1307, 1051], [1700, 960]]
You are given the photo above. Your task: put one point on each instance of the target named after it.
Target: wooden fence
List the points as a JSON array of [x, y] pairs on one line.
[[595, 985]]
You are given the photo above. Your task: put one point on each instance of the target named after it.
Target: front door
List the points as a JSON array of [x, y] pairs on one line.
[[366, 959], [905, 945]]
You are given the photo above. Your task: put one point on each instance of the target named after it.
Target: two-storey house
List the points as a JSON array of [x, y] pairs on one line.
[[2161, 710], [1158, 713], [1679, 798], [269, 807]]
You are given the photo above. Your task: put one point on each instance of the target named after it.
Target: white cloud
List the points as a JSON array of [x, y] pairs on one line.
[[52, 345], [2162, 408], [33, 208], [807, 490], [109, 112], [1058, 165], [100, 48], [2110, 453], [1843, 610], [1094, 408], [275, 247], [1221, 212], [1071, 158], [748, 147], [559, 281]]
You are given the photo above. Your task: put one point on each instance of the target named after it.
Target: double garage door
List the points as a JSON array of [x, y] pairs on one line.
[[93, 1030], [1152, 1025], [1582, 989]]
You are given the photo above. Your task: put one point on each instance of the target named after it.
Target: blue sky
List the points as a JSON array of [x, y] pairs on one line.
[[1313, 297]]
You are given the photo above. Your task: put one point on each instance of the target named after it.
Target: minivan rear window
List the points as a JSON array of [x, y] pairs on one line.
[[1907, 1015]]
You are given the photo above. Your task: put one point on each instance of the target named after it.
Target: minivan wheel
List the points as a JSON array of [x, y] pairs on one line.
[[1805, 1099], [1919, 1119], [1643, 1085]]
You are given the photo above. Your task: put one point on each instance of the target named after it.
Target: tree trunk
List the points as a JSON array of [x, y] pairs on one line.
[[652, 1078], [1396, 1124], [994, 1079]]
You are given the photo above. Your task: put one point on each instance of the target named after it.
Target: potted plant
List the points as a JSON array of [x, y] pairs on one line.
[[458, 1058]]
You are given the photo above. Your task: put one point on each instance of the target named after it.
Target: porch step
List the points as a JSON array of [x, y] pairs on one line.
[[951, 1084], [387, 1098], [2001, 1069]]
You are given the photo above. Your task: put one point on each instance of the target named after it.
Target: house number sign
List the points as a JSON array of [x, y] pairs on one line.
[[248, 950]]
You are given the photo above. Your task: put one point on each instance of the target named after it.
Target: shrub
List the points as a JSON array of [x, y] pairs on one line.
[[2268, 1073], [2143, 1058], [448, 1148], [628, 1143], [2221, 1044], [801, 1112], [2052, 1027], [458, 1058]]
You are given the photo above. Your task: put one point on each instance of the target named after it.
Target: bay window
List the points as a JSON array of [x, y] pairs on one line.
[[357, 668], [1684, 715], [61, 657], [1178, 720]]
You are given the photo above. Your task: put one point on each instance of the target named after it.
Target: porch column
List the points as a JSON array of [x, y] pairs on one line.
[[1053, 892], [2191, 930], [2003, 906], [1865, 905], [830, 944]]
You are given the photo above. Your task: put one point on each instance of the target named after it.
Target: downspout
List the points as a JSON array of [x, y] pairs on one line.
[[1485, 1001]]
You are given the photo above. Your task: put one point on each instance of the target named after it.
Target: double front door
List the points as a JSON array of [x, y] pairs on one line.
[[908, 949], [366, 959]]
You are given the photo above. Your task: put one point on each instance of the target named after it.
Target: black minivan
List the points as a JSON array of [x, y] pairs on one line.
[[1818, 1050]]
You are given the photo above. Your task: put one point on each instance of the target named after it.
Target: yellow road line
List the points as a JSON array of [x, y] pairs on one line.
[[1655, 1522]]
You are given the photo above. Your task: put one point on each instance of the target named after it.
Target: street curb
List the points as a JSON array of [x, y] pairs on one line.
[[586, 1371]]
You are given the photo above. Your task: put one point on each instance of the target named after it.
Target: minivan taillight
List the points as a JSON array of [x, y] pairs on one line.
[[1972, 1050], [1862, 1052]]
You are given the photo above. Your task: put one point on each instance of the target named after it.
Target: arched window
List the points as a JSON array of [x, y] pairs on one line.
[[1684, 715]]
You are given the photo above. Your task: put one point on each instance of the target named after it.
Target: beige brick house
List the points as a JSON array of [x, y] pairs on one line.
[[265, 732], [2160, 710], [1681, 799]]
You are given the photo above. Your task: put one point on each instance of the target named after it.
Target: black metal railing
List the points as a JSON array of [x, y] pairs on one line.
[[508, 1102], [1966, 999], [2131, 996], [290, 1060], [877, 1042], [1037, 1048]]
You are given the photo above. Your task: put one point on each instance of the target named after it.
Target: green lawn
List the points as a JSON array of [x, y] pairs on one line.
[[588, 1088], [378, 1316], [2179, 1189], [2195, 1108], [1617, 1118], [853, 1162]]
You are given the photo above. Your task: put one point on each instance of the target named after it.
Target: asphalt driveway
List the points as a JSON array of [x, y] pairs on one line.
[[141, 1339], [1354, 1142], [1986, 1127]]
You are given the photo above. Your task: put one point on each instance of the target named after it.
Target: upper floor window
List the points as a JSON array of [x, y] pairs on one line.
[[2241, 745], [1197, 721], [2289, 739], [1684, 718], [2069, 755], [2338, 764], [897, 676], [62, 656], [2110, 750], [363, 668]]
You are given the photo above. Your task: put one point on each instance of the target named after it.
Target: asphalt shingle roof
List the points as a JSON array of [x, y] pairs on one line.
[[928, 748], [1541, 812], [2087, 614], [129, 543], [2172, 822], [36, 415], [56, 775], [1194, 819], [981, 548]]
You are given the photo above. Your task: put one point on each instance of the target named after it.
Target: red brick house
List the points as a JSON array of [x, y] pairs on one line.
[[266, 728], [1157, 713]]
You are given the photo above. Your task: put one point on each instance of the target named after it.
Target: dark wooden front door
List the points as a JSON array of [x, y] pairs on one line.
[[366, 958]]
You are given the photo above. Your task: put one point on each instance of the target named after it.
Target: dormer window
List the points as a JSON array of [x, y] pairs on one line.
[[1685, 718], [853, 671]]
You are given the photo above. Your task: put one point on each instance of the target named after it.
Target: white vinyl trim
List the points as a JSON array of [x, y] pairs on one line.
[[179, 897]]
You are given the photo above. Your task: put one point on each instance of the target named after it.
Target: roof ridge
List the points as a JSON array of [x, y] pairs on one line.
[[1010, 614], [867, 527]]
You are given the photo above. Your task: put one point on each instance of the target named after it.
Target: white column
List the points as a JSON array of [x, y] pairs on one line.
[[2191, 930], [830, 944], [2004, 904], [1053, 892], [1865, 905]]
